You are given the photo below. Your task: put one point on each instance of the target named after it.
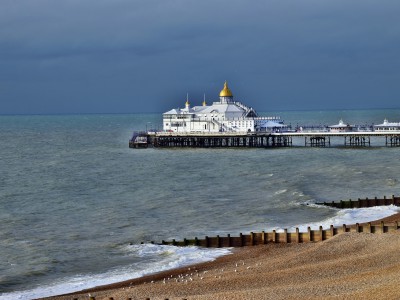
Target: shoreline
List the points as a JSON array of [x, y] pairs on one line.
[[241, 270]]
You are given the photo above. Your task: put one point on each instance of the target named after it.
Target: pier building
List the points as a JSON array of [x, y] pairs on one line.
[[387, 126], [341, 127], [229, 123], [225, 115]]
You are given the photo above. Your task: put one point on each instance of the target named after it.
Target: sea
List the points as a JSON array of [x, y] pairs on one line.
[[79, 208]]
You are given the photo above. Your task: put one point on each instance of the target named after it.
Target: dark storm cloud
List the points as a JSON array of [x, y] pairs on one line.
[[135, 56]]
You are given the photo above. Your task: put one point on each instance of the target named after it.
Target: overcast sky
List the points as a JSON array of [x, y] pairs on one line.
[[126, 56]]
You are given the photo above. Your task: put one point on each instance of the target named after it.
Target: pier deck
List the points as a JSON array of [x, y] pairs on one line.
[[273, 139]]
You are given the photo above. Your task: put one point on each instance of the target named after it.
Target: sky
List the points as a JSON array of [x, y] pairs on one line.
[[128, 56]]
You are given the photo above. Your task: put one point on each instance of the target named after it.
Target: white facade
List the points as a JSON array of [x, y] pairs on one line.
[[341, 127], [387, 126], [224, 115]]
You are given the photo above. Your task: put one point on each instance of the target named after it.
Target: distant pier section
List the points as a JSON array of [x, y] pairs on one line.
[[229, 123]]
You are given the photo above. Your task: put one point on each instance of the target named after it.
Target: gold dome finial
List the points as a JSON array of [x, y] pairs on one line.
[[187, 99], [225, 92], [204, 101]]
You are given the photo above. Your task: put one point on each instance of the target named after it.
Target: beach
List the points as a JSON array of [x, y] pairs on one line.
[[347, 266]]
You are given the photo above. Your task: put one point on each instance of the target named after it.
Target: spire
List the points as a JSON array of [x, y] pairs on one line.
[[204, 100], [187, 99], [187, 104]]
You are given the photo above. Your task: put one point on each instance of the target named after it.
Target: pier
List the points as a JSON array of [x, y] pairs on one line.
[[266, 139]]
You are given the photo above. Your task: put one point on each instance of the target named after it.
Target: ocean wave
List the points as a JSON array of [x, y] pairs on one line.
[[159, 258], [348, 216]]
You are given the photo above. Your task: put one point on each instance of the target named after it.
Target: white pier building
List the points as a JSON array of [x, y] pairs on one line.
[[225, 115], [387, 126]]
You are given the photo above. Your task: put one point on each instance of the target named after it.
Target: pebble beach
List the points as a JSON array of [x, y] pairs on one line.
[[347, 266]]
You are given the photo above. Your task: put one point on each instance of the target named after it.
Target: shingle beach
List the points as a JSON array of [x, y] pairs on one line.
[[347, 266]]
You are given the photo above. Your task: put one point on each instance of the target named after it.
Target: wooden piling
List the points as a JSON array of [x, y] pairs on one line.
[[321, 234]]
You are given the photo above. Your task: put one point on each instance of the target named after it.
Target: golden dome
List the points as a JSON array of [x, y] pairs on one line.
[[225, 92]]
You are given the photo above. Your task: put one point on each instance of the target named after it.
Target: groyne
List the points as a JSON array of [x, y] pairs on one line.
[[260, 238], [362, 203]]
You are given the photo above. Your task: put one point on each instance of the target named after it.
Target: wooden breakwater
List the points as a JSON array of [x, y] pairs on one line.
[[362, 203], [261, 238], [297, 236]]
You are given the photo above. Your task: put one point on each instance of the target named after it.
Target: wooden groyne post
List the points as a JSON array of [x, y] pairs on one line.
[[363, 203], [261, 238]]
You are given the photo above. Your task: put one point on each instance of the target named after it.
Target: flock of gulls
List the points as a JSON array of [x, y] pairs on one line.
[[194, 274]]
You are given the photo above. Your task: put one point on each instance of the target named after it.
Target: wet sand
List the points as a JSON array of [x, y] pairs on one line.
[[347, 266]]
